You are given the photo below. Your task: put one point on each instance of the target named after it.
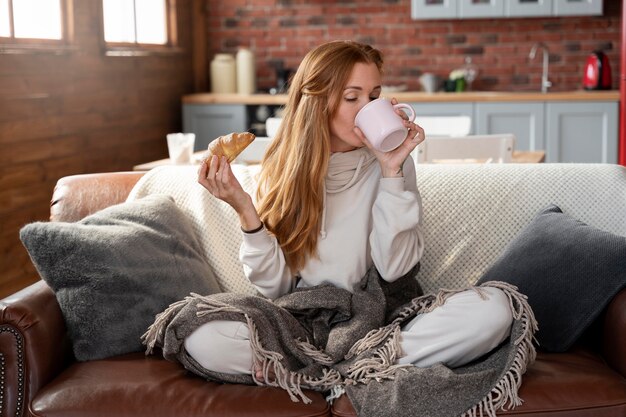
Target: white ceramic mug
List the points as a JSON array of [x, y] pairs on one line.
[[381, 125]]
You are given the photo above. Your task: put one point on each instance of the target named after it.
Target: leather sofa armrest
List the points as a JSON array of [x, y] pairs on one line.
[[77, 196], [34, 346], [614, 333]]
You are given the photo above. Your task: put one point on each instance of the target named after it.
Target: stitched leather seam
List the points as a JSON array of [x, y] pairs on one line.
[[19, 344]]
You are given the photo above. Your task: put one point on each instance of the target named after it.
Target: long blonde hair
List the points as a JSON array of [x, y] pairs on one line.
[[291, 182]]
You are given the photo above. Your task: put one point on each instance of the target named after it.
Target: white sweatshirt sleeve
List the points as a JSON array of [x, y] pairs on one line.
[[264, 264], [397, 237]]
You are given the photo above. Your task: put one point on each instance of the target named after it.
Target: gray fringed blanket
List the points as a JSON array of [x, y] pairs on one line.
[[332, 340]]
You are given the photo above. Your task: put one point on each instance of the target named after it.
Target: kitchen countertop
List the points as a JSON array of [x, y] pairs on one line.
[[418, 96]]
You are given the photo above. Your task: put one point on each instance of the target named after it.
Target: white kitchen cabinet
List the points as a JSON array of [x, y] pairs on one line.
[[209, 121], [579, 131], [524, 120], [434, 9], [568, 132], [473, 9], [444, 109], [528, 8], [577, 7], [481, 8], [582, 132]]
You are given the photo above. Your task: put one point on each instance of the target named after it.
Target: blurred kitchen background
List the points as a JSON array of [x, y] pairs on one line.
[[88, 106], [280, 32]]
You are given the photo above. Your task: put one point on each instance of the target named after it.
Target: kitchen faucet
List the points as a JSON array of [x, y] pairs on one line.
[[545, 84]]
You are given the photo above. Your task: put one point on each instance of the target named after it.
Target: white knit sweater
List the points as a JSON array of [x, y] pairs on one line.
[[367, 219]]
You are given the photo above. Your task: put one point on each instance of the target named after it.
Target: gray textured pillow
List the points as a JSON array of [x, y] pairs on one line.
[[569, 270], [113, 271]]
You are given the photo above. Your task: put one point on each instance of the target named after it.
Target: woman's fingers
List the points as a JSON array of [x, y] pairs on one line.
[[213, 168], [415, 132], [208, 172], [202, 172], [221, 174]]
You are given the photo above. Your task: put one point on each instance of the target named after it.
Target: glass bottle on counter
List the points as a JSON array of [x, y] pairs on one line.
[[471, 72]]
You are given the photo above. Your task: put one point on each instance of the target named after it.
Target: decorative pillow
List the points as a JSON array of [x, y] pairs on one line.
[[113, 271], [569, 270]]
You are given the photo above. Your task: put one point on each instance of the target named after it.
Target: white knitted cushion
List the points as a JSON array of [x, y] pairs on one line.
[[472, 211], [214, 221]]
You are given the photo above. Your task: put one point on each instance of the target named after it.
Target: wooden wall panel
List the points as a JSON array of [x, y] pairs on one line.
[[80, 112]]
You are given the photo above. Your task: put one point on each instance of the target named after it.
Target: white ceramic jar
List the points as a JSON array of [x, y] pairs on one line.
[[223, 74], [246, 72]]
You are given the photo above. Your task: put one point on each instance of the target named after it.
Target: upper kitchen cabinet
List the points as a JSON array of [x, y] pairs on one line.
[[455, 9], [434, 9], [468, 9], [577, 7], [528, 8], [481, 8]]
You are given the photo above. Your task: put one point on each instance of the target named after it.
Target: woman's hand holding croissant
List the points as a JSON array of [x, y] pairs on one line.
[[216, 176]]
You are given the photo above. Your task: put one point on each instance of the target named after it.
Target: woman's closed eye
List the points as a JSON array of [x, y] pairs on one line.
[[353, 99]]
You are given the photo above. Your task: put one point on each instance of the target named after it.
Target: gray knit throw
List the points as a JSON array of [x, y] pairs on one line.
[[335, 341]]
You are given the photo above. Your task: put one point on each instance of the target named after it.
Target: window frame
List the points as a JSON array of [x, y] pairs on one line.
[[13, 45], [144, 49]]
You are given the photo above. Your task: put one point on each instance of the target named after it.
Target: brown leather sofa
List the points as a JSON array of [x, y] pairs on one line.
[[39, 377]]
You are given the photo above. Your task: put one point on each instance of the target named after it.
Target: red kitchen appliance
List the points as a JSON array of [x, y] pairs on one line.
[[597, 72]]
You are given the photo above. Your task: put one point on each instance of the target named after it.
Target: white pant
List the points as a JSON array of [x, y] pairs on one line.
[[463, 329]]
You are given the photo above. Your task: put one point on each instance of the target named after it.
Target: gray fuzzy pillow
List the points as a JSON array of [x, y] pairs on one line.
[[569, 271], [113, 271]]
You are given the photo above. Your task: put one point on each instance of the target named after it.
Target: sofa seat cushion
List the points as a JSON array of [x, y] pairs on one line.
[[573, 384], [136, 385]]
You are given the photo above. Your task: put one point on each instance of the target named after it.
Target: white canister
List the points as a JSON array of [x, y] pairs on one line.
[[246, 72], [223, 74]]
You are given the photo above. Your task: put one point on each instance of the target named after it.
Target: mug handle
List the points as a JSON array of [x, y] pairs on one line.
[[407, 108]]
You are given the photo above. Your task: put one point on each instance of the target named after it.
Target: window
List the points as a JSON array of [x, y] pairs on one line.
[[32, 23], [138, 25]]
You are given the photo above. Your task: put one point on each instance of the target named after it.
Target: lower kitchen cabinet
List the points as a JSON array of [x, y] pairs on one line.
[[209, 121], [568, 132], [582, 132], [524, 120], [443, 109]]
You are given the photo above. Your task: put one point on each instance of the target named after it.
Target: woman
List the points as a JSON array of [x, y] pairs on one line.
[[329, 206]]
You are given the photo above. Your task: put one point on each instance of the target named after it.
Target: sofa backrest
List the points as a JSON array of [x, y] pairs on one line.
[[471, 211], [215, 223]]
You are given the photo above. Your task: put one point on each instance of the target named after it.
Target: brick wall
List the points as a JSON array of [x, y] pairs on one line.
[[280, 32]]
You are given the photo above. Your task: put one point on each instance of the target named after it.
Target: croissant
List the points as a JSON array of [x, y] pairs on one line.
[[230, 145]]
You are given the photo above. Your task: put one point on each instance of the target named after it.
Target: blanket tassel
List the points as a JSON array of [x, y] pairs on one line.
[[505, 394], [155, 332], [276, 375]]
